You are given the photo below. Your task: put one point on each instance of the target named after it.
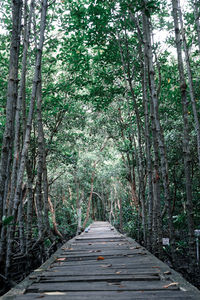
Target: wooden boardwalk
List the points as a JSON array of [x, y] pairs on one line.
[[102, 264]]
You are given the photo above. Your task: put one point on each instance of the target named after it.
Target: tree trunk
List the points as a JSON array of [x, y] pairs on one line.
[[11, 96], [159, 133], [29, 207], [186, 140], [190, 80], [21, 92], [25, 148], [197, 20]]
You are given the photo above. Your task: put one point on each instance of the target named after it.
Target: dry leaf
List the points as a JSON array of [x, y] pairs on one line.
[[171, 284], [33, 277], [100, 258], [118, 272], [106, 266], [61, 259], [167, 273], [64, 248]]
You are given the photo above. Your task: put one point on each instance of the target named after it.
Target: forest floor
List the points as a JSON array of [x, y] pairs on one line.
[[181, 265]]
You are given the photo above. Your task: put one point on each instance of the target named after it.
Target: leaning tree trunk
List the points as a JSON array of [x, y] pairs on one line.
[[11, 97], [25, 148], [186, 140]]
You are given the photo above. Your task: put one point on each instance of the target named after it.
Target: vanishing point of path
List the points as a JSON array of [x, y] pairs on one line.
[[102, 264]]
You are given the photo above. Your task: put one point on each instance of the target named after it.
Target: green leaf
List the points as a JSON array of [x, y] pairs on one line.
[[8, 220]]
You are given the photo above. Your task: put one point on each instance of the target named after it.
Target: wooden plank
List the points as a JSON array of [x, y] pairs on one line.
[[94, 271], [111, 295], [102, 277], [101, 286], [109, 252], [127, 271], [137, 260]]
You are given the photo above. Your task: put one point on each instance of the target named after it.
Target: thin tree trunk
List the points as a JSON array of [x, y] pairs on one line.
[[186, 140], [21, 92], [11, 96], [197, 19], [159, 133], [25, 148], [29, 208], [190, 80], [57, 232], [40, 163], [79, 214]]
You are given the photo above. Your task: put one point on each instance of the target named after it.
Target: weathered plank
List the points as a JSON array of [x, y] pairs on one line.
[[102, 286], [103, 277], [111, 295], [103, 264]]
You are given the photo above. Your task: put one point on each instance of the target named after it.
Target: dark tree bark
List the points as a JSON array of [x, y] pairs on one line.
[[11, 98], [185, 138], [26, 143], [197, 20], [159, 132], [190, 81]]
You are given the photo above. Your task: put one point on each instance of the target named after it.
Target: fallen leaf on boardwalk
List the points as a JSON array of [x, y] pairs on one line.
[[33, 277], [100, 258], [116, 283], [118, 272], [156, 267], [70, 249], [64, 248], [61, 259], [171, 284], [106, 266], [167, 273]]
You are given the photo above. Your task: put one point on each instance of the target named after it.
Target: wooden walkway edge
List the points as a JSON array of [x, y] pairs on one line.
[[103, 264]]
